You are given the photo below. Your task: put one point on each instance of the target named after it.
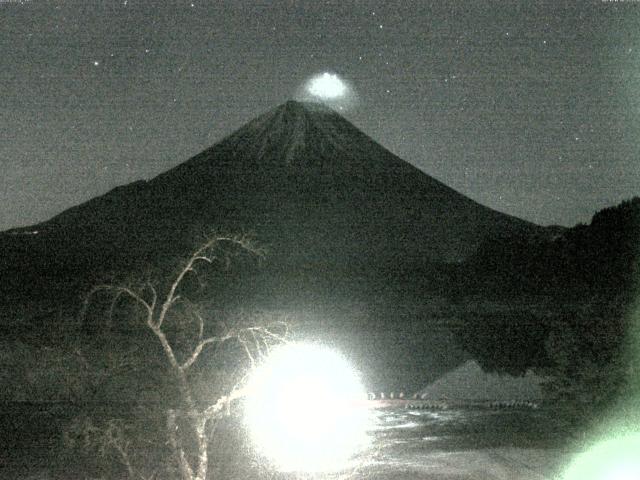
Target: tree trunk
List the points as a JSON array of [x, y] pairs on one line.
[[203, 460], [186, 473]]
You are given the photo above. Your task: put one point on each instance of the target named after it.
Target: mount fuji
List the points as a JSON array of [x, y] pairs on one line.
[[345, 222], [300, 177]]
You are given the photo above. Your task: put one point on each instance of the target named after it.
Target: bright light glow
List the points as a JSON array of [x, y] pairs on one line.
[[327, 86], [615, 459], [306, 409], [329, 89]]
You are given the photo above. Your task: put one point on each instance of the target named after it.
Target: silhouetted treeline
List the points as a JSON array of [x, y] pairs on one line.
[[599, 259]]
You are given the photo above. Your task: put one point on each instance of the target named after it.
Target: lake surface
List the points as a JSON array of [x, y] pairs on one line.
[[468, 428], [465, 443]]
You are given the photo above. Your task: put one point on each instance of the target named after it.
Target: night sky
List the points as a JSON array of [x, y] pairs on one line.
[[530, 108]]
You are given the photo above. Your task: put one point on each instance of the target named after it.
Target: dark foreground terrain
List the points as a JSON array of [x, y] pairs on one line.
[[418, 444]]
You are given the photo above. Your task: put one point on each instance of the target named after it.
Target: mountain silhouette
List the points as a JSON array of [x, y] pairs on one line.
[[303, 179], [336, 211]]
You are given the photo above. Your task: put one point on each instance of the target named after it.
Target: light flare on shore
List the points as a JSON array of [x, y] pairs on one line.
[[306, 410]]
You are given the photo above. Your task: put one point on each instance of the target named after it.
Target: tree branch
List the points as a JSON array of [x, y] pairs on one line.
[[212, 411], [119, 291], [243, 342], [200, 255], [198, 350], [154, 294]]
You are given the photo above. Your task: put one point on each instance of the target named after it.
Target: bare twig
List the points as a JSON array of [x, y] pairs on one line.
[[117, 291]]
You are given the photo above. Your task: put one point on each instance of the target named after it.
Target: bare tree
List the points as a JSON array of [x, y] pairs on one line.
[[159, 306]]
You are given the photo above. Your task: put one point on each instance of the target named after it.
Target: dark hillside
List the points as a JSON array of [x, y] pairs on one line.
[[599, 259]]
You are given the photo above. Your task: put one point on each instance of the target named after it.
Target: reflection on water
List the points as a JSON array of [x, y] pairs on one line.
[[401, 435]]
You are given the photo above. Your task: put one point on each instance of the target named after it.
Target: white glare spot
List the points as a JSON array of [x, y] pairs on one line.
[[613, 459], [327, 86], [306, 409]]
